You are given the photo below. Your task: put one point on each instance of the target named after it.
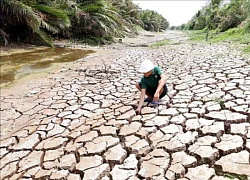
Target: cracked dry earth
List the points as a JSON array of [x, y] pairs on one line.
[[81, 123]]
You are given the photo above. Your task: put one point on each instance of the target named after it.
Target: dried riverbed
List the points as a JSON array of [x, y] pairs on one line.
[[78, 122]]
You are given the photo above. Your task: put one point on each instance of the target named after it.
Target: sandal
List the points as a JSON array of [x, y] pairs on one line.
[[147, 100], [155, 102]]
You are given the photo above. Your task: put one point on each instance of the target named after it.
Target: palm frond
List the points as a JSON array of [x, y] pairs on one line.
[[49, 27], [56, 12], [20, 13], [107, 18], [103, 26], [91, 8], [45, 37], [4, 35]]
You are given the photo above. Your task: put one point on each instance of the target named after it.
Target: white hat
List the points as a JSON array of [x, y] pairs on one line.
[[146, 66]]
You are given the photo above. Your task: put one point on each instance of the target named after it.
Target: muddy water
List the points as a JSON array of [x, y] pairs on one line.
[[18, 65]]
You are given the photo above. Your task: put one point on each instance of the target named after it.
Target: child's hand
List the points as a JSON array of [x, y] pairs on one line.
[[138, 111]]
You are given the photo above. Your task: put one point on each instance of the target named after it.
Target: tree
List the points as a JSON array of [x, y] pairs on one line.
[[94, 18], [211, 18], [153, 21], [221, 16], [20, 19], [39, 21], [129, 13], [232, 14]]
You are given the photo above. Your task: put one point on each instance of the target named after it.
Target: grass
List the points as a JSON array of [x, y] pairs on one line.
[[234, 35], [139, 28], [160, 43], [197, 35], [235, 176], [220, 101], [218, 170]]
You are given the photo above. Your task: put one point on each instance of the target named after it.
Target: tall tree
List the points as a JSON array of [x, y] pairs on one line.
[[211, 12]]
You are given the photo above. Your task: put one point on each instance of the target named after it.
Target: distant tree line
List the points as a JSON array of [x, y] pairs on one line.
[[40, 21], [153, 21], [221, 16]]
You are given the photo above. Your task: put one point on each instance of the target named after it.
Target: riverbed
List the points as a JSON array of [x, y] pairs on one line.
[[78, 121]]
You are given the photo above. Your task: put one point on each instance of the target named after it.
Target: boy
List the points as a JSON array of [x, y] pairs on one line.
[[153, 84]]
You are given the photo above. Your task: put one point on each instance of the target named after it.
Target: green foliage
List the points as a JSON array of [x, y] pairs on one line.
[[152, 21], [58, 13], [160, 43], [235, 176], [172, 28], [196, 35], [221, 102], [231, 15], [233, 35], [219, 171], [221, 17], [129, 13], [22, 20], [17, 13], [97, 19], [200, 23]]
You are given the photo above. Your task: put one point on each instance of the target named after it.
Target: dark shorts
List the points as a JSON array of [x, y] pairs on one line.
[[151, 91]]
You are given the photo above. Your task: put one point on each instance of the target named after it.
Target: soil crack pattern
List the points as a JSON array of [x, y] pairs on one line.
[[80, 122]]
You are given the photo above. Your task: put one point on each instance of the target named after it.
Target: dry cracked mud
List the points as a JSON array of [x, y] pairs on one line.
[[80, 123]]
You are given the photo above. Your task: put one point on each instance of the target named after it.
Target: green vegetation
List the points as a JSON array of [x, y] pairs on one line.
[[222, 21], [235, 176], [219, 172], [160, 43], [220, 16], [221, 102], [95, 21], [233, 35], [152, 21]]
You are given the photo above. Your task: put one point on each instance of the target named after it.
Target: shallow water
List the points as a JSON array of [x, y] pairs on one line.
[[17, 65]]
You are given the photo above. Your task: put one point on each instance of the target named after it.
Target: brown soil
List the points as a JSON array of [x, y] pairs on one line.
[[45, 77], [107, 52]]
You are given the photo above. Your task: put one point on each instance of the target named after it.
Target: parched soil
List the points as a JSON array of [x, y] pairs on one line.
[[78, 121]]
